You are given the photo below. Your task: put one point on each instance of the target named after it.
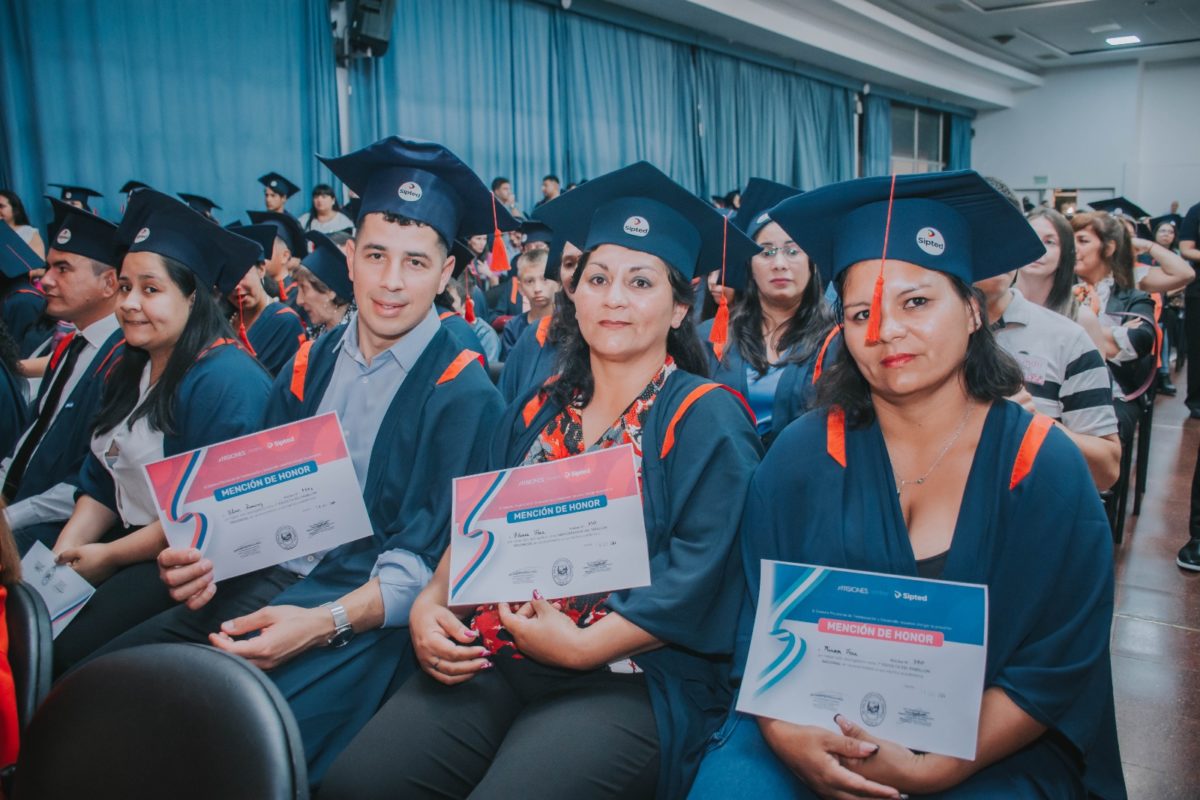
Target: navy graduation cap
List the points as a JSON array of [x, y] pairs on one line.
[[287, 228], [16, 257], [158, 223], [278, 184], [422, 181], [760, 196], [131, 186], [1120, 207], [198, 203], [328, 263], [1174, 220], [639, 207], [76, 194], [83, 233], [536, 231], [263, 235], [952, 222]]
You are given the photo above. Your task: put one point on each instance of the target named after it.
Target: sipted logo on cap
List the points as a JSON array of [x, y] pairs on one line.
[[410, 191], [763, 217], [637, 226], [930, 240], [274, 184], [142, 236], [63, 237]]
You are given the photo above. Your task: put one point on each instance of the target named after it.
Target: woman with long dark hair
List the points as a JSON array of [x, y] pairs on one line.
[[1049, 280], [12, 213], [621, 689], [777, 335], [181, 382], [917, 465], [325, 214]]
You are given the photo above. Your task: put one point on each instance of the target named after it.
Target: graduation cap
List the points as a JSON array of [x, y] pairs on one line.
[[1120, 207], [198, 203], [1173, 220], [952, 222], [278, 184], [158, 223], [760, 196], [83, 233], [424, 182], [536, 231], [264, 235], [287, 228], [76, 194], [328, 263], [132, 186], [16, 257]]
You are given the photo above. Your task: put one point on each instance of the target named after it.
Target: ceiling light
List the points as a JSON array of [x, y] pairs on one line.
[[1120, 40]]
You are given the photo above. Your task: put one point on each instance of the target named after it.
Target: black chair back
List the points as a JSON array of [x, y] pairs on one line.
[[165, 720], [29, 648]]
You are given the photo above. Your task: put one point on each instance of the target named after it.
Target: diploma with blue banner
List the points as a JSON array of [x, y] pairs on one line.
[[902, 657], [262, 499], [568, 527]]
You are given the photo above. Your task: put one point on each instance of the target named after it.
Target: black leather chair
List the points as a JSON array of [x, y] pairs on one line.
[[29, 648], [181, 721]]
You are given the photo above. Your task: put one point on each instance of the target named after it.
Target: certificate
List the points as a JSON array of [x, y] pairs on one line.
[[568, 527], [262, 499], [64, 590], [902, 657]]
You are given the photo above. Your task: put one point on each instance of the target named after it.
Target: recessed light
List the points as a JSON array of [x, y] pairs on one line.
[[1116, 41]]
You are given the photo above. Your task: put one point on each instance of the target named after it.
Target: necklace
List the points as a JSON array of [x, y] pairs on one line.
[[945, 449]]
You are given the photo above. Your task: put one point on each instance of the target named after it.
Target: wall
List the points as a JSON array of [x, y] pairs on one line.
[[1107, 129]]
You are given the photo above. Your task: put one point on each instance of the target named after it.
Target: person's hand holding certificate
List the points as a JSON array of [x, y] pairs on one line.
[[262, 499], [903, 657], [568, 527]]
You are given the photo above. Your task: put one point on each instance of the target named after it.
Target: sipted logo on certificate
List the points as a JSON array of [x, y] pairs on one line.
[[568, 527], [903, 657], [262, 499]]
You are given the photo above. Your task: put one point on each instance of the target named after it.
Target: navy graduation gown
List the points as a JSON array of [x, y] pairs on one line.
[[14, 411], [22, 310], [276, 336], [59, 456], [460, 331], [436, 428], [1042, 547], [797, 385], [504, 300], [692, 494], [221, 397], [530, 362], [512, 332]]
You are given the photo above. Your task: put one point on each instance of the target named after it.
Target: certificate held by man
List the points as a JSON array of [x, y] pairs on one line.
[[903, 657], [568, 527], [262, 499]]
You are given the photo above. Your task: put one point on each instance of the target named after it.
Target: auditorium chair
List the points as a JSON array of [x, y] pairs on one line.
[[183, 721], [29, 656]]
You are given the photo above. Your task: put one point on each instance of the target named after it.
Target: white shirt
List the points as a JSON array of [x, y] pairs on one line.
[[56, 503], [123, 451], [339, 222]]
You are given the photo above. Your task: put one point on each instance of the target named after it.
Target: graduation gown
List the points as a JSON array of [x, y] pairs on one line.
[[22, 309], [460, 330], [14, 411], [530, 362], [1042, 547], [436, 428], [221, 397], [276, 336], [797, 385], [697, 461], [504, 300], [512, 333], [59, 456]]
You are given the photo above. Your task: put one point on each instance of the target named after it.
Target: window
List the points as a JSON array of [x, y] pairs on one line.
[[918, 140]]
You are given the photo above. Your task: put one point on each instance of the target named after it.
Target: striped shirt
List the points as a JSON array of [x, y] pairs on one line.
[[1063, 370]]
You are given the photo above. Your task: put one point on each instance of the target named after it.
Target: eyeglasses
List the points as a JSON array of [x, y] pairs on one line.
[[791, 253]]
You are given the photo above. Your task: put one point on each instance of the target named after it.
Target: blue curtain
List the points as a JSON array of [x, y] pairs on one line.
[[759, 121], [477, 76], [190, 95], [960, 142], [877, 135]]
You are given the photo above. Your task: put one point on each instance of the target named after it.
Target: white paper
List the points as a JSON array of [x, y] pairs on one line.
[[64, 590]]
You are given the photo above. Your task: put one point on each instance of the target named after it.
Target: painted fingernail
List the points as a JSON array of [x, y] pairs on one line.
[[486, 665], [537, 595]]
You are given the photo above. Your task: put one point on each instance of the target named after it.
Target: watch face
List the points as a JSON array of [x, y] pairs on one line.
[[342, 637]]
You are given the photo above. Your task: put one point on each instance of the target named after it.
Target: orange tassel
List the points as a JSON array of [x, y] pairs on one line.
[[718, 336], [499, 251], [242, 330], [875, 315], [469, 307]]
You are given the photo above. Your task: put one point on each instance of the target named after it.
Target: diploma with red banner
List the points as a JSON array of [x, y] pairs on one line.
[[568, 527], [262, 499], [903, 657]]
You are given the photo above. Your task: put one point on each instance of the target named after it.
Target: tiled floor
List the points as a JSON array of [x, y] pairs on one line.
[[1156, 631]]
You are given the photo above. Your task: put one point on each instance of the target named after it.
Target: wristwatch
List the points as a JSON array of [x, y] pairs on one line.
[[343, 631]]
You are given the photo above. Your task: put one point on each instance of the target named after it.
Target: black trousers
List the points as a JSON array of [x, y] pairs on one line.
[[235, 597], [1194, 520], [516, 730], [1191, 336]]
